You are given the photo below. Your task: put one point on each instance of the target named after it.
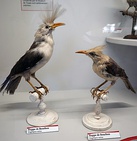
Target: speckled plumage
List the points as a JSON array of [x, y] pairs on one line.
[[105, 67]]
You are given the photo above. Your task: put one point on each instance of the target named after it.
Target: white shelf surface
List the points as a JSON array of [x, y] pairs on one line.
[[121, 41], [71, 106]]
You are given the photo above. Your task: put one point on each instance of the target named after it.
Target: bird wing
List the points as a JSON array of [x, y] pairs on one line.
[[114, 69], [36, 43], [26, 62]]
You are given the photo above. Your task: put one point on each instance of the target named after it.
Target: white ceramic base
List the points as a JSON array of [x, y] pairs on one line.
[[43, 119], [97, 124]]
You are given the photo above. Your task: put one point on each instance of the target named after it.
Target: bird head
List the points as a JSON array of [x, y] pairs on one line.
[[94, 53], [48, 21]]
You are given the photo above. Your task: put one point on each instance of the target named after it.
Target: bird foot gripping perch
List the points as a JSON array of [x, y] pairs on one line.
[[36, 96], [44, 116], [38, 90], [96, 120], [99, 94]]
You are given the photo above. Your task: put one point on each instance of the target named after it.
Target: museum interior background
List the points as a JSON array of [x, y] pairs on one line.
[[85, 21]]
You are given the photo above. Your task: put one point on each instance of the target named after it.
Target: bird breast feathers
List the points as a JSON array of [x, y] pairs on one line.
[[46, 50], [49, 40]]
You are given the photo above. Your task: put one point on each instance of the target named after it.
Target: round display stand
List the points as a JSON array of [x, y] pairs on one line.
[[101, 123], [42, 119], [44, 116]]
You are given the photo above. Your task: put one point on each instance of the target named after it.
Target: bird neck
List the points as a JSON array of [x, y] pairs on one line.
[[96, 60], [101, 59], [49, 39]]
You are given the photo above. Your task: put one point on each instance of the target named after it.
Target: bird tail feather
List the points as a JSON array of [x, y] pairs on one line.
[[4, 83], [10, 84], [128, 85]]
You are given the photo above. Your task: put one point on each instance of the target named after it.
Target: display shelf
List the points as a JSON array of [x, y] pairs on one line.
[[71, 106], [121, 41]]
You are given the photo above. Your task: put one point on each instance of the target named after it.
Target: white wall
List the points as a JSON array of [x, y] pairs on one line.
[[65, 70]]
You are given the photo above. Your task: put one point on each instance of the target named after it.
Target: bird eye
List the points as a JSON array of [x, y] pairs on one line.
[[92, 53], [46, 26]]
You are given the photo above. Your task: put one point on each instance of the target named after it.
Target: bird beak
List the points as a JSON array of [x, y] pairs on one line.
[[57, 24], [81, 51]]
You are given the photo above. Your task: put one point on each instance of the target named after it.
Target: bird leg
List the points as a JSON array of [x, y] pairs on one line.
[[35, 89], [42, 85], [94, 93], [105, 91], [127, 9]]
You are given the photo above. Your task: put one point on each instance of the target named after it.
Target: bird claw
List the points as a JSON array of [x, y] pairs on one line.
[[101, 94], [46, 91], [45, 88], [98, 93], [40, 94], [35, 90], [94, 92], [31, 91]]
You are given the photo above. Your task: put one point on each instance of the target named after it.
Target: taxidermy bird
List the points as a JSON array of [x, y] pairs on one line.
[[36, 57], [106, 68], [132, 3]]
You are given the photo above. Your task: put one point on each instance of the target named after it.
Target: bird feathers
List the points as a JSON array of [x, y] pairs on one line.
[[48, 20], [114, 69], [105, 67], [128, 84], [98, 48], [5, 83], [132, 3], [38, 54], [10, 84], [50, 16], [26, 62]]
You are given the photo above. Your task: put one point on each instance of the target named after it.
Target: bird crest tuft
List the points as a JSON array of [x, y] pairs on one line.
[[98, 48], [50, 16], [48, 19]]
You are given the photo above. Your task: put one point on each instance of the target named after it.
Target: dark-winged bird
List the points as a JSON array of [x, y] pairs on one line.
[[106, 68], [36, 57]]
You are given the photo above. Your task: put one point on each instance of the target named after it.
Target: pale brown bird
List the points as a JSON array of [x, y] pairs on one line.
[[106, 68]]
